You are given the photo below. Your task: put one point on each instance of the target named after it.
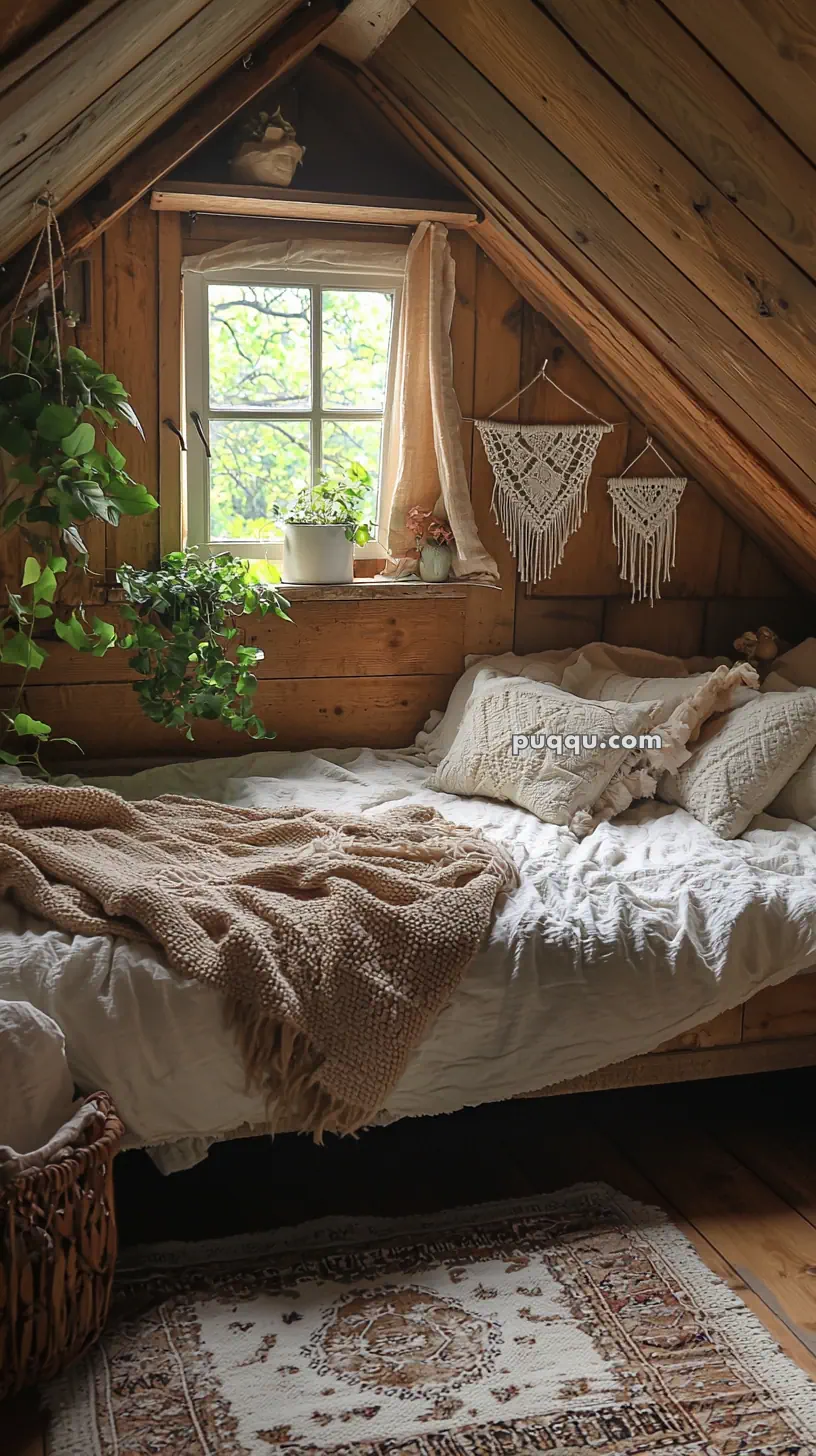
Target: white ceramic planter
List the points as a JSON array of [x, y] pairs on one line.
[[435, 561], [317, 555]]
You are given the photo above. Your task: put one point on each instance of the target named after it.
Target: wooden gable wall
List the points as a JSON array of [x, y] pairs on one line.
[[352, 670]]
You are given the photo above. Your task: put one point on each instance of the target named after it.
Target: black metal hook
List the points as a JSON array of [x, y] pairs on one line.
[[196, 419], [172, 426]]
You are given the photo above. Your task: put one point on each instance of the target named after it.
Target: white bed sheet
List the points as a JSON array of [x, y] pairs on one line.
[[609, 946]]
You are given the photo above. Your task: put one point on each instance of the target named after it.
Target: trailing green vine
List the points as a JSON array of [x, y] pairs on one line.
[[61, 469], [182, 629]]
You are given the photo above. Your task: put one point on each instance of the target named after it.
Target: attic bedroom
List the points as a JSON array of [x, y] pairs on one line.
[[408, 727]]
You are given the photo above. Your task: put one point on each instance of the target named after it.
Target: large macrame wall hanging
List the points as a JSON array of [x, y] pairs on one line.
[[644, 525], [540, 479]]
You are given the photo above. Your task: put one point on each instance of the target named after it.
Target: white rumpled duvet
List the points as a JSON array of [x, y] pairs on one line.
[[610, 945]]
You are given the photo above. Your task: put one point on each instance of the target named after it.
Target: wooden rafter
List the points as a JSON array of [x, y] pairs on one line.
[[768, 47], [689, 428], [600, 245], [363, 27], [696, 104], [531, 61], [71, 153], [82, 223]]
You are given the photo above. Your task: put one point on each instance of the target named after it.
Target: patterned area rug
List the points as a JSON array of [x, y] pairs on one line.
[[577, 1322]]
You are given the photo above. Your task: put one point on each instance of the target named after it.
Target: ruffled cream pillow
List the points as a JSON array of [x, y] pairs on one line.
[[604, 683], [578, 787], [743, 761]]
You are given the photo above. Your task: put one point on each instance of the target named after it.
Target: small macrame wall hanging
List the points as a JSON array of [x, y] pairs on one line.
[[644, 525], [540, 478]]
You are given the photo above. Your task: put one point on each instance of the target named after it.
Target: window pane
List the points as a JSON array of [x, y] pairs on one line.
[[255, 465], [260, 347], [345, 441], [356, 333]]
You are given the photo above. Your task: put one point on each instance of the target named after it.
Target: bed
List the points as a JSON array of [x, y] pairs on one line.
[[610, 946]]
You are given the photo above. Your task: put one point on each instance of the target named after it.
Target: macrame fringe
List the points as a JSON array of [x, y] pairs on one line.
[[540, 480], [644, 530]]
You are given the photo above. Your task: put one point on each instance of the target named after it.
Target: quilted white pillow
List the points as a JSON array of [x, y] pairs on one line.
[[743, 760], [575, 788], [602, 684]]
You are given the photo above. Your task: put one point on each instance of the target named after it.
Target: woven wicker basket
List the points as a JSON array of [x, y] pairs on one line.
[[57, 1256]]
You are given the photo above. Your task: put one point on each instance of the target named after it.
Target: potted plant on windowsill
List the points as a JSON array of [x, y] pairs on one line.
[[434, 544], [322, 526]]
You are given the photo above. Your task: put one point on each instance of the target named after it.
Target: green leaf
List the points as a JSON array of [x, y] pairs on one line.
[[106, 634], [31, 571], [73, 633], [72, 538], [23, 472], [80, 440], [15, 438], [19, 651], [43, 610], [115, 456], [5, 757], [44, 590], [55, 421], [27, 727], [131, 500], [122, 408], [58, 564], [13, 511]]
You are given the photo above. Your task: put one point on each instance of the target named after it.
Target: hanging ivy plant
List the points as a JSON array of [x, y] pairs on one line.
[[64, 469], [182, 630], [61, 469]]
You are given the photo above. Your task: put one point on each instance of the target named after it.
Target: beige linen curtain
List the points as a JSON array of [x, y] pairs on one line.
[[424, 463]]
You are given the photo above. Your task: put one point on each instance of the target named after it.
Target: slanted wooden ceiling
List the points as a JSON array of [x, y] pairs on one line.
[[647, 172]]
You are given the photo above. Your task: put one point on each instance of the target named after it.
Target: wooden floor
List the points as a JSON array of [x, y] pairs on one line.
[[733, 1162]]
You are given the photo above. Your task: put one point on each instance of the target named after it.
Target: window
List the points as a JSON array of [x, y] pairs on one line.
[[288, 377]]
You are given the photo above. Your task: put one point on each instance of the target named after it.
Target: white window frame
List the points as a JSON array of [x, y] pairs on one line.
[[197, 393]]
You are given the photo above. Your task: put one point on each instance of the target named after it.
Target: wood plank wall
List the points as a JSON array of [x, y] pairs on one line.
[[351, 672], [723, 580]]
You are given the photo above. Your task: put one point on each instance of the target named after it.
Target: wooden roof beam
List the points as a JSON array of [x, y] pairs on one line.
[[95, 132], [82, 223], [603, 248], [708, 116], [363, 27], [768, 47], [530, 60]]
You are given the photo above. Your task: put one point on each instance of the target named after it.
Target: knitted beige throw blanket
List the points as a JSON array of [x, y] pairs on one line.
[[335, 941]]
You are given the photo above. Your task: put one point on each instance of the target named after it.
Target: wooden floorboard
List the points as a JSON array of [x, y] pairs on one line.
[[732, 1163]]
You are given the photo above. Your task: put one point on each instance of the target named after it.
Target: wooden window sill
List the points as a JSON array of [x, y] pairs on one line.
[[366, 589]]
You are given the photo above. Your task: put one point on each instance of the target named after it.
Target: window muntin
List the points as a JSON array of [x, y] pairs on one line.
[[289, 377]]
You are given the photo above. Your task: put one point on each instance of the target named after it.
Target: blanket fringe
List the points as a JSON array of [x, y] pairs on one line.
[[284, 1064]]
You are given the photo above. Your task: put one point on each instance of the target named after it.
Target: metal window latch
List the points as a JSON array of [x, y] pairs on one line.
[[196, 419], [174, 429]]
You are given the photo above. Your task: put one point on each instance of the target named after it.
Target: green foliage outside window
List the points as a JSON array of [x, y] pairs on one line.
[[260, 360]]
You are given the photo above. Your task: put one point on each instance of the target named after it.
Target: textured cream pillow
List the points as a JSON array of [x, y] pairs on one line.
[[602, 684], [574, 788], [436, 737], [798, 798], [797, 667], [743, 760]]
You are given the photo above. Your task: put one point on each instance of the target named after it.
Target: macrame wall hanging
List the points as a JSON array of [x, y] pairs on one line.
[[644, 525], [540, 478]]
